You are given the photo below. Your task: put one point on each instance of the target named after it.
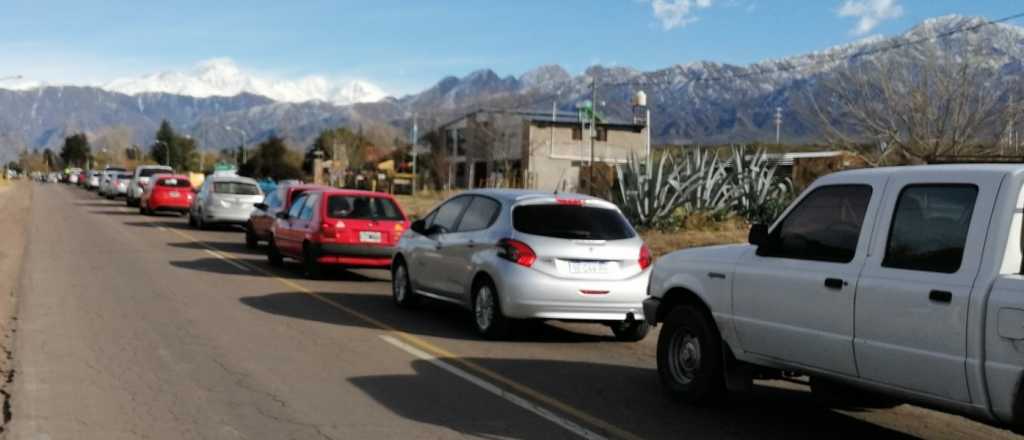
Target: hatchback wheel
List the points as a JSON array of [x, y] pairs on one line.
[[251, 241], [630, 331], [401, 286], [312, 268], [690, 356], [487, 315], [274, 256]]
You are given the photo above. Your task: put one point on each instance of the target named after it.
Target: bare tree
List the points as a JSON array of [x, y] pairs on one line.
[[912, 106]]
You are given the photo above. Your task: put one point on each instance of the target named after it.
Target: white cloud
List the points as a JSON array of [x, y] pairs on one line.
[[677, 13], [870, 13]]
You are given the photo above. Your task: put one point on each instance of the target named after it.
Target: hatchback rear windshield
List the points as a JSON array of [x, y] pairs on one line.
[[176, 183], [239, 188], [571, 222], [362, 208], [151, 171]]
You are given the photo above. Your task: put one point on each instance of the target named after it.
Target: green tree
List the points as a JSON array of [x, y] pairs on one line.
[[76, 151], [272, 159], [174, 150]]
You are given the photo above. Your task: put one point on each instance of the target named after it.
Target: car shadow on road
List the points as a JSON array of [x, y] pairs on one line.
[[100, 204], [114, 212], [429, 319], [226, 246], [289, 271], [628, 398]]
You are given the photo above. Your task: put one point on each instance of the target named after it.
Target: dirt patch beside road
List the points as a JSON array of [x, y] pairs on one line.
[[15, 199]]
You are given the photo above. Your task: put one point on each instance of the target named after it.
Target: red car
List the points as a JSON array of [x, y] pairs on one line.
[[337, 227], [262, 218], [166, 192]]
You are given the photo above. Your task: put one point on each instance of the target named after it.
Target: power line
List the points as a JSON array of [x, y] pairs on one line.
[[833, 58]]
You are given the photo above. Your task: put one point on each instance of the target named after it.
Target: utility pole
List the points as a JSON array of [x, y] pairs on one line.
[[778, 125], [593, 132], [415, 143]]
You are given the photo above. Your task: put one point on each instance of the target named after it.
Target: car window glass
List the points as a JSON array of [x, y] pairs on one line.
[[825, 226], [479, 215], [297, 207], [236, 188], [310, 207], [448, 213], [273, 200], [929, 228], [571, 222], [362, 208]]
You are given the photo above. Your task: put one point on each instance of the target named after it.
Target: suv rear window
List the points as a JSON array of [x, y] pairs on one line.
[[239, 188], [175, 183], [571, 222], [146, 172], [362, 208]]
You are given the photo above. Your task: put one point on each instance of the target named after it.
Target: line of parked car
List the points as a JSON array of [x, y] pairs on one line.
[[867, 276]]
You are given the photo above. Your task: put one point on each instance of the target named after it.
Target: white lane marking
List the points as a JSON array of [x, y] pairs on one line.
[[497, 391], [227, 260]]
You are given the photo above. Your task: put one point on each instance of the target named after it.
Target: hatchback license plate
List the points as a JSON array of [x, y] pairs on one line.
[[175, 194], [369, 237], [584, 267]]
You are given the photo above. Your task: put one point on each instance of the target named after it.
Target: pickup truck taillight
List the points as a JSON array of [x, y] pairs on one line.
[[645, 257], [516, 252]]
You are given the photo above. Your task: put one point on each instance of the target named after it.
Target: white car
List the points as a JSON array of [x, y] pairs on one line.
[[140, 179], [904, 281]]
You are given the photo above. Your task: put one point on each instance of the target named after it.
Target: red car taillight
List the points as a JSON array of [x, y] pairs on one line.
[[645, 257], [330, 230], [516, 252]]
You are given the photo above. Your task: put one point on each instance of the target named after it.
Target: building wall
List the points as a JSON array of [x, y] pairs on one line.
[[557, 165]]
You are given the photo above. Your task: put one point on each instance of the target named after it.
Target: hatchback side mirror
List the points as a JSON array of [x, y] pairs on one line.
[[261, 206], [283, 215], [758, 234]]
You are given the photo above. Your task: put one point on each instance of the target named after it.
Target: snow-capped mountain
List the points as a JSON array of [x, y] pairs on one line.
[[222, 77]]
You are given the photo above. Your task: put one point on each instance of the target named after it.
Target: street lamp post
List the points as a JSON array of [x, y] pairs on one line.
[[242, 132]]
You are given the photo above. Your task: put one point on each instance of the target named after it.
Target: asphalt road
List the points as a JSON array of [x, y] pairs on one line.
[[139, 327]]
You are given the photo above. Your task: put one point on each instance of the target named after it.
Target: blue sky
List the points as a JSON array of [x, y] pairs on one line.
[[405, 46]]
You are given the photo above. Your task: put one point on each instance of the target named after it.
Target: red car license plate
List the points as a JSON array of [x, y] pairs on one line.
[[175, 194]]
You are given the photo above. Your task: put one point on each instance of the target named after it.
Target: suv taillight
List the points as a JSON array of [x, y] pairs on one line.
[[516, 252], [645, 257]]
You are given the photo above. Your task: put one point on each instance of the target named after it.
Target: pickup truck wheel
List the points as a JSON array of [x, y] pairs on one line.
[[630, 331], [690, 357]]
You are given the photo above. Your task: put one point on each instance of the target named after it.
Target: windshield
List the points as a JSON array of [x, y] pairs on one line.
[[146, 172], [362, 208], [174, 182], [572, 222], [237, 188]]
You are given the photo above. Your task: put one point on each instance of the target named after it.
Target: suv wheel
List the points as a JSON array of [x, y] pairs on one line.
[[273, 254], [630, 331], [312, 268], [487, 316], [690, 356], [251, 241], [401, 286]]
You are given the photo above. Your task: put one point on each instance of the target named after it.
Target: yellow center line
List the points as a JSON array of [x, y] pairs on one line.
[[434, 349]]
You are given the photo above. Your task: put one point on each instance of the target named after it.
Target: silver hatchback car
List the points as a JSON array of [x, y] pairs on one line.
[[224, 199], [512, 255]]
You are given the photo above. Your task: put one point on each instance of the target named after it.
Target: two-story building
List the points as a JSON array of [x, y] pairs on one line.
[[521, 149]]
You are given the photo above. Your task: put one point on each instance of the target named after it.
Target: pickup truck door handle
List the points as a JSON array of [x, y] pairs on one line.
[[941, 296], [834, 283]]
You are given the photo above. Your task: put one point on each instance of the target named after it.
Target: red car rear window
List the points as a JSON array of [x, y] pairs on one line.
[[174, 183], [362, 208]]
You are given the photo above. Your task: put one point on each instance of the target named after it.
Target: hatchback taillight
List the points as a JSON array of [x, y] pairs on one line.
[[645, 257], [328, 230], [516, 252]]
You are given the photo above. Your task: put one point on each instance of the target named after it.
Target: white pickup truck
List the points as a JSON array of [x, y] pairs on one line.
[[904, 282]]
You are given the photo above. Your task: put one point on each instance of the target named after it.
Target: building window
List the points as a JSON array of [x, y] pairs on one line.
[[460, 138], [602, 134], [449, 140], [577, 133]]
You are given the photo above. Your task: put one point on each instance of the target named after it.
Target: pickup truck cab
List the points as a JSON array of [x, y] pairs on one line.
[[904, 281]]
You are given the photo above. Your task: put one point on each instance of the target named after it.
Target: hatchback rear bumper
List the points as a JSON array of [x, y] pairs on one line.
[[355, 255], [528, 294]]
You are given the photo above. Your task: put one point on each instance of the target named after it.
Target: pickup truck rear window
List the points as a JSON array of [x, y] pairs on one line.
[[571, 222], [929, 228]]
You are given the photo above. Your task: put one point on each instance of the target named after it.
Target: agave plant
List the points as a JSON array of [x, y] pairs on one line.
[[755, 190], [712, 190], [648, 197]]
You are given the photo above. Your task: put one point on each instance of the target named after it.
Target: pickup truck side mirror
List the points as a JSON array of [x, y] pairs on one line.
[[283, 215], [758, 234], [419, 227], [260, 206]]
